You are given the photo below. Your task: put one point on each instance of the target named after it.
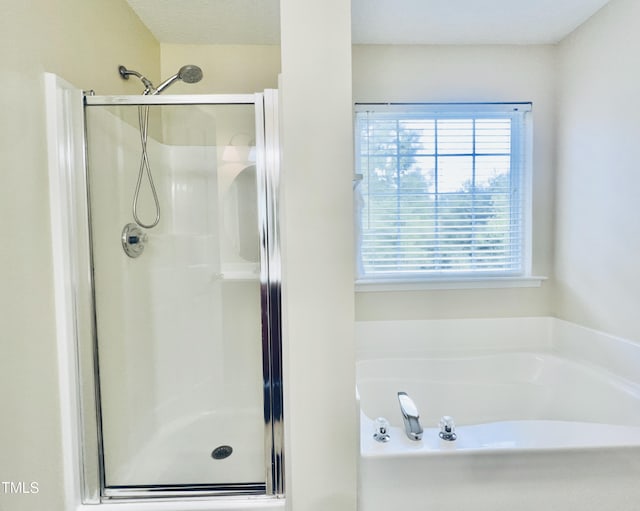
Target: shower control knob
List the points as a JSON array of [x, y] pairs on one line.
[[133, 240]]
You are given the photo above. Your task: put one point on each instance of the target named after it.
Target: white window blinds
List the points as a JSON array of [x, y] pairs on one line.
[[443, 190]]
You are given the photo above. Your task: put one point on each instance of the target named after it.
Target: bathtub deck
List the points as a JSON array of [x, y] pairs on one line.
[[492, 438]]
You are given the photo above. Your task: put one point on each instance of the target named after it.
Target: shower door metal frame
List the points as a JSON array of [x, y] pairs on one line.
[[94, 487]]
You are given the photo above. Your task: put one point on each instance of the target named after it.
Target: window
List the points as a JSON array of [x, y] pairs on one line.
[[442, 191]]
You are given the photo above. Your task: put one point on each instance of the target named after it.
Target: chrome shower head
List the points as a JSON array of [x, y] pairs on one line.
[[188, 74]]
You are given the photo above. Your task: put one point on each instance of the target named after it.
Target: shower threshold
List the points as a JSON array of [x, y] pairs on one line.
[[184, 490]]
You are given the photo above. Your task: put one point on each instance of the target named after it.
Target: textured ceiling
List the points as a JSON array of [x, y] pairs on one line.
[[211, 21], [468, 21], [374, 21]]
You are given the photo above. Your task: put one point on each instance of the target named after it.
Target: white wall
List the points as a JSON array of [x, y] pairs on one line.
[[458, 74], [83, 42], [598, 221], [319, 354]]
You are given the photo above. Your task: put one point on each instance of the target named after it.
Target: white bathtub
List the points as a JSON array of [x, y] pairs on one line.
[[547, 416]]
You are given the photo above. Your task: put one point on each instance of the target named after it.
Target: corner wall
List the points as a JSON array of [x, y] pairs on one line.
[[400, 73], [321, 428], [82, 42], [598, 220]]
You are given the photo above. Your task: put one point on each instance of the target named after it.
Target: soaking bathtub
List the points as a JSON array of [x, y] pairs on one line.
[[547, 416]]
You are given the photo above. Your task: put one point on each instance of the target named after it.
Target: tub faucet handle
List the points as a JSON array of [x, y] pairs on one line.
[[447, 428], [410, 416], [381, 427]]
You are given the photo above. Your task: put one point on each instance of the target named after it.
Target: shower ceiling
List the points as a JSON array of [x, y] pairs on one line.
[[374, 21]]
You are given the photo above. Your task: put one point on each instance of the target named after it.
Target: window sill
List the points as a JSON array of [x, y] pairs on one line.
[[366, 286]]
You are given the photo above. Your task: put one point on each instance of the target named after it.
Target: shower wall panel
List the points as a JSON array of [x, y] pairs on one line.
[[122, 285]]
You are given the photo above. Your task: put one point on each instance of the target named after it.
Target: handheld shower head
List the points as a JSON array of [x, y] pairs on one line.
[[188, 74]]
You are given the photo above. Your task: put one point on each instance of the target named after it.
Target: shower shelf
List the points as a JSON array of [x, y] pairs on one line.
[[240, 272]]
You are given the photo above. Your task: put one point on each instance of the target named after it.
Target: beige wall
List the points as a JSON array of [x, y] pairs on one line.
[[319, 354], [598, 222], [83, 42], [469, 73], [227, 69]]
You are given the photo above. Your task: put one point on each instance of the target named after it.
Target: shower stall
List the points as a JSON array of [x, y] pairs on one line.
[[164, 216]]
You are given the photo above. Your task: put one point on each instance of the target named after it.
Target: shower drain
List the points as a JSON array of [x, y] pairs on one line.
[[221, 452]]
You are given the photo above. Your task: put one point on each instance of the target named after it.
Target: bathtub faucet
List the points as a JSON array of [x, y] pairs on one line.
[[410, 416]]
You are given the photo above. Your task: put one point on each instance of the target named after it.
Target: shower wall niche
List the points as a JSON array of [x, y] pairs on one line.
[[187, 334]]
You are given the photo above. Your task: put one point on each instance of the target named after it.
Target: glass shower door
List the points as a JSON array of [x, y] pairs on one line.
[[179, 306]]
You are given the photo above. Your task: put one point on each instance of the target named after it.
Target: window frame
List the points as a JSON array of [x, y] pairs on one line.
[[520, 164]]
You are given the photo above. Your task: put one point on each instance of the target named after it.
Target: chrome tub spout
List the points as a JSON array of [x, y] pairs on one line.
[[410, 416]]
